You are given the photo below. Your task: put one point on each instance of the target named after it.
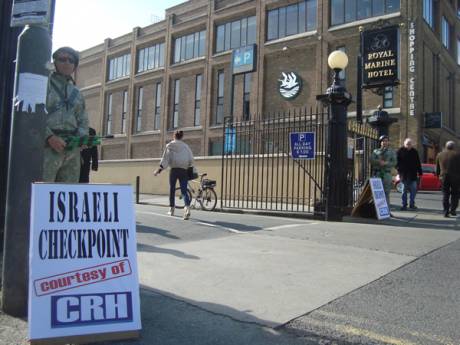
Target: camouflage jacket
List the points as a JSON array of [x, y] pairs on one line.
[[65, 106], [389, 157]]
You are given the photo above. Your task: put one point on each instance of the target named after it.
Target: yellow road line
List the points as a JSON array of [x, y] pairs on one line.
[[432, 337]]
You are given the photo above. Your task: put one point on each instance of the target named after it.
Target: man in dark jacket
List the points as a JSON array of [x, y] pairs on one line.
[[89, 160], [448, 170], [409, 169]]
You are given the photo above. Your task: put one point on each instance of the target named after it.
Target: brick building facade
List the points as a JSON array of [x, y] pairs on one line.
[[177, 73]]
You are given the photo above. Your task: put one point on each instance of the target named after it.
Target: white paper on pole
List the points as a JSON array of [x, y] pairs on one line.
[[32, 89], [83, 276], [380, 201], [30, 12]]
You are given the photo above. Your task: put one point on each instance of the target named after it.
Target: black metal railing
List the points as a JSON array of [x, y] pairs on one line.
[[362, 141], [258, 172]]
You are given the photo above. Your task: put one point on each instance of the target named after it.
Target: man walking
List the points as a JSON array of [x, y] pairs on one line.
[[409, 168], [383, 160], [448, 170]]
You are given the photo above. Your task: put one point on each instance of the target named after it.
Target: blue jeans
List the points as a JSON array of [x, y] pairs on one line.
[[181, 175], [411, 187]]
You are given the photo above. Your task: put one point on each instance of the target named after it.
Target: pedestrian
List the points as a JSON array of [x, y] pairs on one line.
[[383, 160], [409, 170], [89, 159], [448, 170], [178, 157], [66, 118]]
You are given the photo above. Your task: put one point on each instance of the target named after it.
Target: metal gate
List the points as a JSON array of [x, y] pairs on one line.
[[362, 141], [257, 170]]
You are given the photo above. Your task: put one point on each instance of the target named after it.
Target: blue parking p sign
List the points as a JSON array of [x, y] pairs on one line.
[[302, 145]]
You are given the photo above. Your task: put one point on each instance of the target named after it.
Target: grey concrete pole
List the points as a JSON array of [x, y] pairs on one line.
[[25, 167], [8, 47]]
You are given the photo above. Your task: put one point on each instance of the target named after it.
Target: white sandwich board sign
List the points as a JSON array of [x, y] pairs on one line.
[[380, 201], [83, 279]]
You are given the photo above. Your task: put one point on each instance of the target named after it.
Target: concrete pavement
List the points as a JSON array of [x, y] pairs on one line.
[[261, 280]]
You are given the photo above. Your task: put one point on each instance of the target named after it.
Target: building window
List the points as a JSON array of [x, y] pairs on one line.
[[140, 98], [388, 97], [124, 111], [151, 57], [445, 32], [247, 97], [175, 117], [291, 20], [215, 147], [108, 128], [346, 11], [197, 116], [156, 122], [238, 33], [219, 119], [428, 12], [119, 67], [189, 46]]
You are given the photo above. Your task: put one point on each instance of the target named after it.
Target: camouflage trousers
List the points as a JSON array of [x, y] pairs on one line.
[[61, 166], [387, 181]]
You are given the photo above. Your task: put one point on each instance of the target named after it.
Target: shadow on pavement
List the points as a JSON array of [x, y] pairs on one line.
[[412, 220], [153, 249], [168, 320], [235, 226], [151, 230]]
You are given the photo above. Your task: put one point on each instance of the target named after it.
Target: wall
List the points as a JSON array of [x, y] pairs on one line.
[[125, 172], [267, 180]]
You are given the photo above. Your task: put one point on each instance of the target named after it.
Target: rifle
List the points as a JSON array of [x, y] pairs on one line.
[[74, 141]]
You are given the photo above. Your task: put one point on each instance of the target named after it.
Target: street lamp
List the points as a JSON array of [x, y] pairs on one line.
[[337, 100], [337, 61], [381, 121]]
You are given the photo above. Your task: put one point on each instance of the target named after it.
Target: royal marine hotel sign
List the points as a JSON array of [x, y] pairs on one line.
[[380, 57]]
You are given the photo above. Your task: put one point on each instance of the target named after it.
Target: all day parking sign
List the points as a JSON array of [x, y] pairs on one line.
[[302, 145], [83, 278]]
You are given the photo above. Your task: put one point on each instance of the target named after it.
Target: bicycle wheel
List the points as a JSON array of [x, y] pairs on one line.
[[400, 187], [179, 198], [208, 200]]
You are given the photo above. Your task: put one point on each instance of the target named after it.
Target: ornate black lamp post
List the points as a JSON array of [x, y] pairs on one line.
[[337, 99], [381, 121]]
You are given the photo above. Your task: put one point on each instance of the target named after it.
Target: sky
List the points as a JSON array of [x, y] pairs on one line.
[[82, 24]]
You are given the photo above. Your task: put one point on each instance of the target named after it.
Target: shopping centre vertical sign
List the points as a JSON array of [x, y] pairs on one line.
[[412, 69], [83, 280]]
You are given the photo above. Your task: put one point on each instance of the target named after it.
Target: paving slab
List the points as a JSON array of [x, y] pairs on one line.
[[268, 280]]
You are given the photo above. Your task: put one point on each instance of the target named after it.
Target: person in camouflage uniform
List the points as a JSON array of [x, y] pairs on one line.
[[383, 160], [66, 117]]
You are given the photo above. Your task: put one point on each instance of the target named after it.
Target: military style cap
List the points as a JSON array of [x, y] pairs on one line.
[[67, 50], [383, 137]]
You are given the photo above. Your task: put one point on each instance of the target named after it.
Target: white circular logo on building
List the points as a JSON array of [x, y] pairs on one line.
[[290, 85]]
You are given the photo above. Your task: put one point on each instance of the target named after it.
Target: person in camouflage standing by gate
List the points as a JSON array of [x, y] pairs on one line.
[[66, 117], [383, 160]]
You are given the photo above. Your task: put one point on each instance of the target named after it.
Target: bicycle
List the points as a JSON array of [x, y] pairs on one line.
[[204, 195]]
